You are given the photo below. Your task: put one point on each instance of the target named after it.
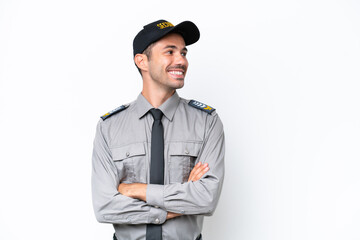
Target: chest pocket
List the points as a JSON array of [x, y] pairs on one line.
[[130, 162], [182, 159]]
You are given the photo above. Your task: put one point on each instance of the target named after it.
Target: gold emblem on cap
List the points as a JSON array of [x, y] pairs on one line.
[[164, 25]]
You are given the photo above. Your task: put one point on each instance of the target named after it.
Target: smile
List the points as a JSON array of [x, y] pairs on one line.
[[179, 73]]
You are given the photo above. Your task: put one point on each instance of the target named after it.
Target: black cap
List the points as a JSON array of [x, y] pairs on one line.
[[158, 29]]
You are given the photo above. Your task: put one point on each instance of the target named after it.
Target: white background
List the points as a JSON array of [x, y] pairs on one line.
[[283, 76]]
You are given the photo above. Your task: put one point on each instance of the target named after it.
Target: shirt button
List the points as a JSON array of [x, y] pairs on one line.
[[156, 206], [186, 152], [127, 154], [157, 221]]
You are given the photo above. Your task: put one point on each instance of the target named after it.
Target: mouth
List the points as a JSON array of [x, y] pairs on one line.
[[178, 74]]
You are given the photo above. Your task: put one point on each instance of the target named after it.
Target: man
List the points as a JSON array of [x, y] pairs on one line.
[[158, 162]]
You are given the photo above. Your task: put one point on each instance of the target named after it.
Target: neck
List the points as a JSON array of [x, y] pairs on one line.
[[156, 97]]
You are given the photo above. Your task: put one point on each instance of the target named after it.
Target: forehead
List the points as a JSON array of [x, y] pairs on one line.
[[173, 39]]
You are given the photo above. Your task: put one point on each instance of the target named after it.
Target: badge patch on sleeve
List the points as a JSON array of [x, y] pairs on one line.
[[112, 112], [201, 106]]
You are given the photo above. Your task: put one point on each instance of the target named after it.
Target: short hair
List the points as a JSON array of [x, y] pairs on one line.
[[147, 53]]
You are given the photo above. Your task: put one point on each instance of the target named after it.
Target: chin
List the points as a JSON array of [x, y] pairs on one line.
[[179, 84], [176, 83]]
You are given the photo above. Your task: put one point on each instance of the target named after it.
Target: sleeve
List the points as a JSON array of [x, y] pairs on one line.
[[109, 205], [199, 197]]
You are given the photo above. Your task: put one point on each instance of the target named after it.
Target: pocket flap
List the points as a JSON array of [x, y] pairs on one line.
[[185, 148], [131, 150]]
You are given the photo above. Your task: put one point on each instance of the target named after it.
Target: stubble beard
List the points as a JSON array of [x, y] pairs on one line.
[[166, 81]]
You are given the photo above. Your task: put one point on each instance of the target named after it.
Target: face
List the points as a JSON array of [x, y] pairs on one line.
[[168, 64]]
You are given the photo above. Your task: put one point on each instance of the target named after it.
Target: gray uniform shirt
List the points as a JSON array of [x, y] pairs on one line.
[[122, 154]]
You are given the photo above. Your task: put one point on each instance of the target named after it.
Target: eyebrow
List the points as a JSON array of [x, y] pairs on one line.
[[174, 47]]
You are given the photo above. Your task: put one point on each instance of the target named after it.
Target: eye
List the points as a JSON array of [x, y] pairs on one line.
[[170, 52], [184, 54]]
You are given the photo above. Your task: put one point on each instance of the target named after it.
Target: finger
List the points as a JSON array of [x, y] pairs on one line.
[[196, 167], [197, 172], [201, 173]]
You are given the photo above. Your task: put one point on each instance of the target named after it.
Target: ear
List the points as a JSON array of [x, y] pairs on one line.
[[141, 61]]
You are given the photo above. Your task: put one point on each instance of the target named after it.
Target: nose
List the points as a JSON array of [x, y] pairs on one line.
[[181, 59]]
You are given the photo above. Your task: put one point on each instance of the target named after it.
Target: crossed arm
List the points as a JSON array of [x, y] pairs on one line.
[[151, 203], [138, 190]]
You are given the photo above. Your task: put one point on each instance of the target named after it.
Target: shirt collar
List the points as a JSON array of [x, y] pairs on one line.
[[168, 107]]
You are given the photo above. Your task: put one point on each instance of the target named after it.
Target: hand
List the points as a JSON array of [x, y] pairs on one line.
[[198, 171], [138, 190], [133, 190], [171, 215]]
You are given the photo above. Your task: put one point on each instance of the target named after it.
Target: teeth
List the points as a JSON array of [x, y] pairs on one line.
[[177, 72]]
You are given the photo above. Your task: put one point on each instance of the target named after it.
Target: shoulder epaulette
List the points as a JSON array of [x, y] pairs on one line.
[[116, 110], [201, 106]]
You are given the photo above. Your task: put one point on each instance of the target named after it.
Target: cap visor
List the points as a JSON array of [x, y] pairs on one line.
[[188, 31]]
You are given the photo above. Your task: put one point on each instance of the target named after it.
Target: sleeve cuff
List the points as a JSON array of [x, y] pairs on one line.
[[155, 195], [157, 215]]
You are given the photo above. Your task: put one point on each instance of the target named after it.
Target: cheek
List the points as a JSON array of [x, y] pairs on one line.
[[156, 67]]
